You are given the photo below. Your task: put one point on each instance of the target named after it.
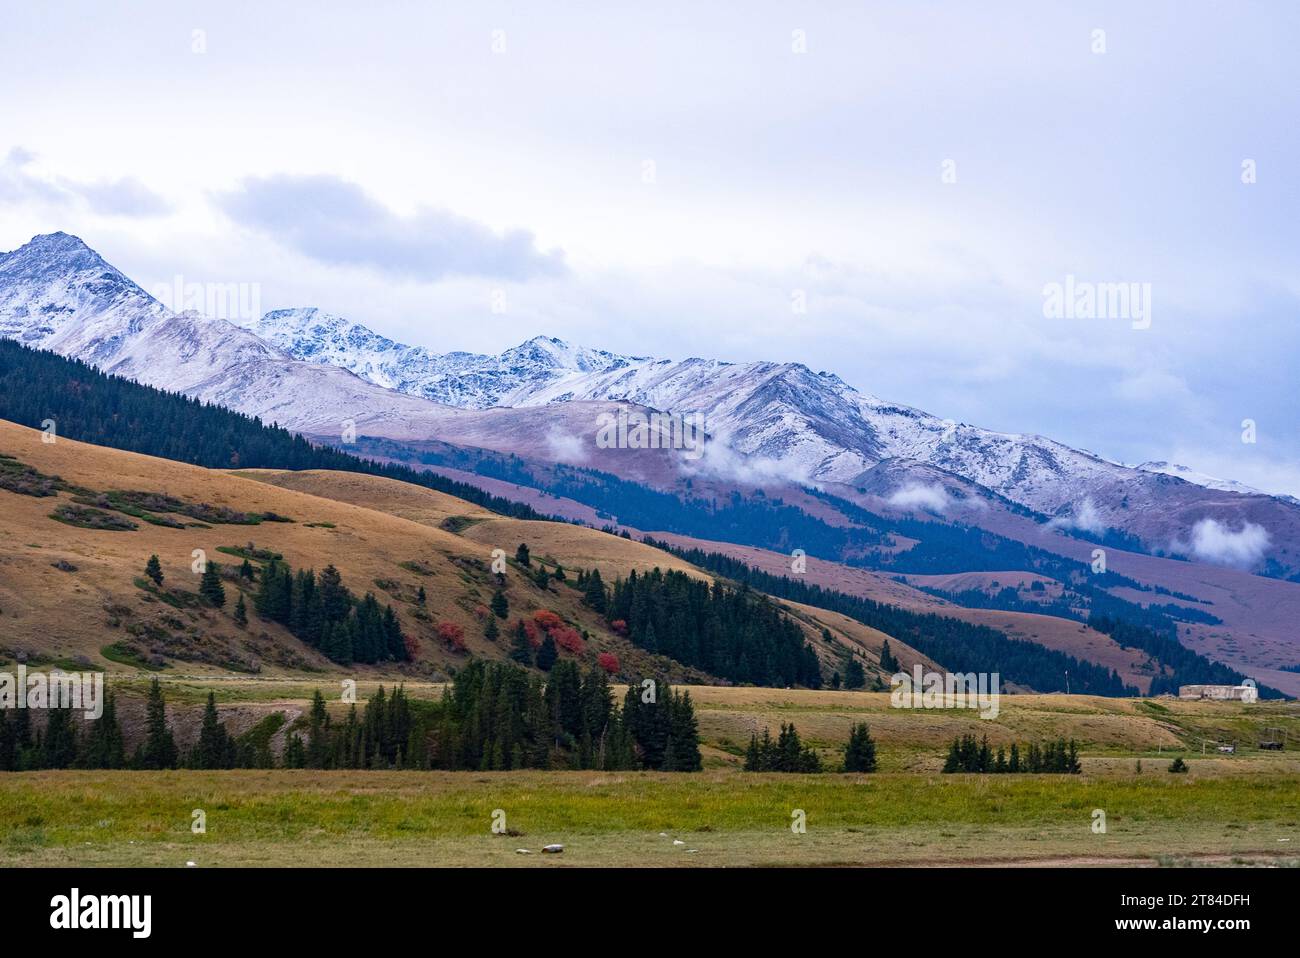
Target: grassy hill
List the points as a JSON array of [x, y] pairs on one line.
[[80, 521]]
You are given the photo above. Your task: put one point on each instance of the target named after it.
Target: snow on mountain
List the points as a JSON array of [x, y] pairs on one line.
[[1199, 478], [813, 425], [311, 371], [467, 380]]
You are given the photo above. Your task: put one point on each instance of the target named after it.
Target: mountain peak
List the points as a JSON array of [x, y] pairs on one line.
[[49, 253], [556, 353]]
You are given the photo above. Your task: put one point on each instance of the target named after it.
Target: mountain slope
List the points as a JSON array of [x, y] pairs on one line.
[[768, 423], [73, 591], [787, 421]]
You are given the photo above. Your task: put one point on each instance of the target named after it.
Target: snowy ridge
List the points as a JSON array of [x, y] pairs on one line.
[[314, 372]]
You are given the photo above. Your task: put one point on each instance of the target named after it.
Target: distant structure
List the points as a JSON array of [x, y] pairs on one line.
[[1220, 693]]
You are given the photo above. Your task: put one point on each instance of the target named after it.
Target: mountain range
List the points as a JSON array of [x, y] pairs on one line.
[[890, 502], [768, 423]]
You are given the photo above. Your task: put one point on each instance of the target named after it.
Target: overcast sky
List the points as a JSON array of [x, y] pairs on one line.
[[671, 179]]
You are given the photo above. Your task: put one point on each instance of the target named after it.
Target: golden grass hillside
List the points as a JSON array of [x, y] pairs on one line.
[[570, 545], [70, 593]]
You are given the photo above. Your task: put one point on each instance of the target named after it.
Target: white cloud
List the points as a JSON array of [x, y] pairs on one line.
[[933, 498], [1213, 541], [21, 183], [564, 447], [1084, 518]]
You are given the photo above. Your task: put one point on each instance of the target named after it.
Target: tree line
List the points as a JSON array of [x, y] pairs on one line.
[[321, 611], [99, 743], [737, 634], [496, 716], [787, 753], [959, 646], [967, 755]]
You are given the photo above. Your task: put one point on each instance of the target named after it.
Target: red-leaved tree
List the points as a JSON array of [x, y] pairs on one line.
[[453, 635], [547, 619], [568, 639]]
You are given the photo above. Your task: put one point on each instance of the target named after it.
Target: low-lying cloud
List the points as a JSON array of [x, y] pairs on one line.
[[933, 498], [1214, 541], [1085, 517], [335, 222]]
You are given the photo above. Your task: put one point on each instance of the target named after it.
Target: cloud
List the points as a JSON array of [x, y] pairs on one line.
[[1084, 518], [17, 185], [933, 498], [564, 447], [1213, 541], [122, 197], [334, 221]]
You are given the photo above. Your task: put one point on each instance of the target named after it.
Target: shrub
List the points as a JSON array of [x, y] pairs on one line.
[[452, 635], [547, 619], [569, 640], [608, 661]]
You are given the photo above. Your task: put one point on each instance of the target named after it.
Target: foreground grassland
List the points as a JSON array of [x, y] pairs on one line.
[[288, 818], [1228, 809]]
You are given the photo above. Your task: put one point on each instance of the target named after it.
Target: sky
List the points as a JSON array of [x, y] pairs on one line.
[[888, 191]]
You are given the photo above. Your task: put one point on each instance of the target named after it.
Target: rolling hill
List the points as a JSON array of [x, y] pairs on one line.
[[73, 591]]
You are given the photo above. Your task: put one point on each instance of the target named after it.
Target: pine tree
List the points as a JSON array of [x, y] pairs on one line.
[[500, 607], [318, 723], [246, 571], [888, 664], [210, 586], [521, 555], [214, 748], [159, 749], [153, 569], [241, 611], [58, 747], [953, 763], [104, 746], [540, 578], [547, 653], [594, 592], [855, 677], [420, 597], [295, 756], [491, 631], [521, 650], [683, 751], [860, 752]]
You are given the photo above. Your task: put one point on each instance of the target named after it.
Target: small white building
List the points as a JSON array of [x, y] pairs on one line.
[[1220, 693]]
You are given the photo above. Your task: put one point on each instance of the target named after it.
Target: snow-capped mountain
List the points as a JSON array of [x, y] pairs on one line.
[[466, 380], [768, 422], [1200, 478], [803, 425]]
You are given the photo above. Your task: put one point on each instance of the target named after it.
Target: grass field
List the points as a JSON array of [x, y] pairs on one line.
[[288, 818], [1242, 808]]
